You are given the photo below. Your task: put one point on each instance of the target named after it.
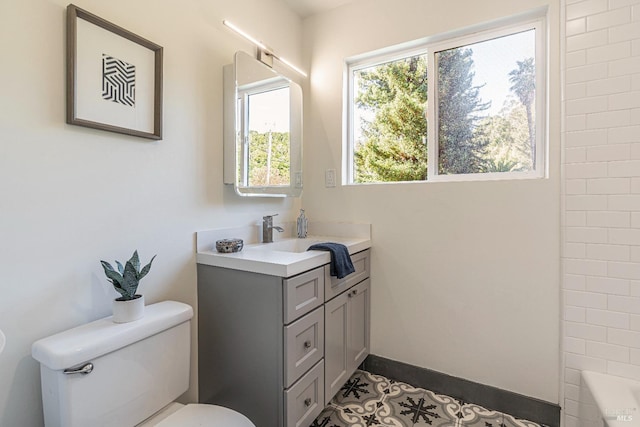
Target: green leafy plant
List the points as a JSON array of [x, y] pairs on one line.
[[126, 279]]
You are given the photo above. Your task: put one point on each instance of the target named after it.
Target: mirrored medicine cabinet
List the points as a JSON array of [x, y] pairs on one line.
[[262, 130]]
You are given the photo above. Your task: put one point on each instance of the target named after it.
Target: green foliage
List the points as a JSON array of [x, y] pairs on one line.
[[459, 105], [126, 279], [393, 145], [391, 102], [506, 140], [269, 168], [523, 84]]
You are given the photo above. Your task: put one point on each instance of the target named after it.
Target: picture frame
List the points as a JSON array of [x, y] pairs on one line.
[[114, 77]]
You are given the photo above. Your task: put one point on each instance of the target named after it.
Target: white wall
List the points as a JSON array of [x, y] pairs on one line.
[[602, 197], [70, 196], [465, 276]]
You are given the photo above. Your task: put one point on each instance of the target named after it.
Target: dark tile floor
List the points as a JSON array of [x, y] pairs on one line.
[[372, 400]]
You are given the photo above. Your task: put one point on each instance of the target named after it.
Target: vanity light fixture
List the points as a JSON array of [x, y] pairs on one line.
[[263, 50]]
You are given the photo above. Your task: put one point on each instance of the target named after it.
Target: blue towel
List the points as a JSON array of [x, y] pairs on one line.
[[341, 265]]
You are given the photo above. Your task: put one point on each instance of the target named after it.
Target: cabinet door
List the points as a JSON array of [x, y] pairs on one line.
[[336, 343], [358, 336]]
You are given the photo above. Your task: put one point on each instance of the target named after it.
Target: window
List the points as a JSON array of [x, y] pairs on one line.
[[479, 115], [264, 154]]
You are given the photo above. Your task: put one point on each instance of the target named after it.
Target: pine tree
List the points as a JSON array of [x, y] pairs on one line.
[[393, 147], [460, 149]]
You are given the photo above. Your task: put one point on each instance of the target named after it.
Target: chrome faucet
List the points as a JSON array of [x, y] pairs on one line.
[[268, 227]]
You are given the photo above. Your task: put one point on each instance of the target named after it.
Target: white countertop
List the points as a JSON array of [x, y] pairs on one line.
[[267, 258]]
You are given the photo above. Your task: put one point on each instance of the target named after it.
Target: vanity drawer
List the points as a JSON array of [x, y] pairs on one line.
[[303, 345], [303, 293], [334, 286], [305, 400]]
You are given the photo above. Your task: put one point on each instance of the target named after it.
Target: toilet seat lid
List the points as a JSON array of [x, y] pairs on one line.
[[200, 415]]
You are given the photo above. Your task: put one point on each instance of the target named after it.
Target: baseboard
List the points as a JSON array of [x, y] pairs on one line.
[[489, 397]]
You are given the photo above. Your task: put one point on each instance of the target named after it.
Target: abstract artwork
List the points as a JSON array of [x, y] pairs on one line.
[[114, 77], [118, 81]]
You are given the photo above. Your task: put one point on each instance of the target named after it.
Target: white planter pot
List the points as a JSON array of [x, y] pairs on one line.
[[128, 311]]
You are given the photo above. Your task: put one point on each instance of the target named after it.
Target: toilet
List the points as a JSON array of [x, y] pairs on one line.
[[125, 374]]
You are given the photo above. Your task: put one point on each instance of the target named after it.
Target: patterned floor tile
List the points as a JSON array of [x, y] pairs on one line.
[[510, 421], [362, 388], [408, 406], [433, 410], [472, 415], [378, 418], [368, 400], [328, 418], [451, 407]]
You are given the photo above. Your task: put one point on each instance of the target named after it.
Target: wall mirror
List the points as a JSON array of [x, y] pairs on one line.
[[262, 130]]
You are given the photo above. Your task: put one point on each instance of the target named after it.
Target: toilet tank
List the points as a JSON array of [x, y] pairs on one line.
[[138, 368]]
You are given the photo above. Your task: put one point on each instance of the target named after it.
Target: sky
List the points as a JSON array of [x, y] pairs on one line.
[[269, 111], [496, 58]]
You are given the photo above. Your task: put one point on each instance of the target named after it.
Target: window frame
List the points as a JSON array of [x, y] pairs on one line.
[[242, 115], [540, 104], [368, 61], [430, 46]]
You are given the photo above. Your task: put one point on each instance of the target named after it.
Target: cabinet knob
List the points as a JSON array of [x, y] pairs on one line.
[[352, 293], [307, 402], [307, 345]]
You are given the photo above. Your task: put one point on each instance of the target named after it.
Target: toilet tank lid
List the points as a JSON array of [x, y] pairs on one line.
[[85, 342]]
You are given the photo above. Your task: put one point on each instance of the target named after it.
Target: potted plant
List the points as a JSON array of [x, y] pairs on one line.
[[129, 306]]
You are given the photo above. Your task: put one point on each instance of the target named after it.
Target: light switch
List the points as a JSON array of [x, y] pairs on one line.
[[330, 178]]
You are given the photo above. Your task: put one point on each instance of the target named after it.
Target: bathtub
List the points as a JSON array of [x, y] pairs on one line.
[[617, 398]]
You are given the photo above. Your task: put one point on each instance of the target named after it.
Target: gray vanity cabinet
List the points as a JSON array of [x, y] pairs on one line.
[[264, 344], [346, 336]]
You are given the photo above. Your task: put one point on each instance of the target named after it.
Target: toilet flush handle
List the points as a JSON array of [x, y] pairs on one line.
[[85, 369]]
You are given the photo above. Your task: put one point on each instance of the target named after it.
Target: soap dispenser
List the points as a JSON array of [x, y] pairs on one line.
[[302, 225]]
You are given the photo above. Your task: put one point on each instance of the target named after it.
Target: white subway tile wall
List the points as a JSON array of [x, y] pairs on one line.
[[601, 248]]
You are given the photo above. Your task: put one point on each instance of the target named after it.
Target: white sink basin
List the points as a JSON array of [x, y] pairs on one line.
[[287, 245], [284, 258]]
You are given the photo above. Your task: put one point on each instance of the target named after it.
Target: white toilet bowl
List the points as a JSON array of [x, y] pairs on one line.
[[197, 415]]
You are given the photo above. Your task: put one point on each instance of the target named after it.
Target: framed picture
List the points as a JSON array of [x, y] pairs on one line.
[[114, 77]]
